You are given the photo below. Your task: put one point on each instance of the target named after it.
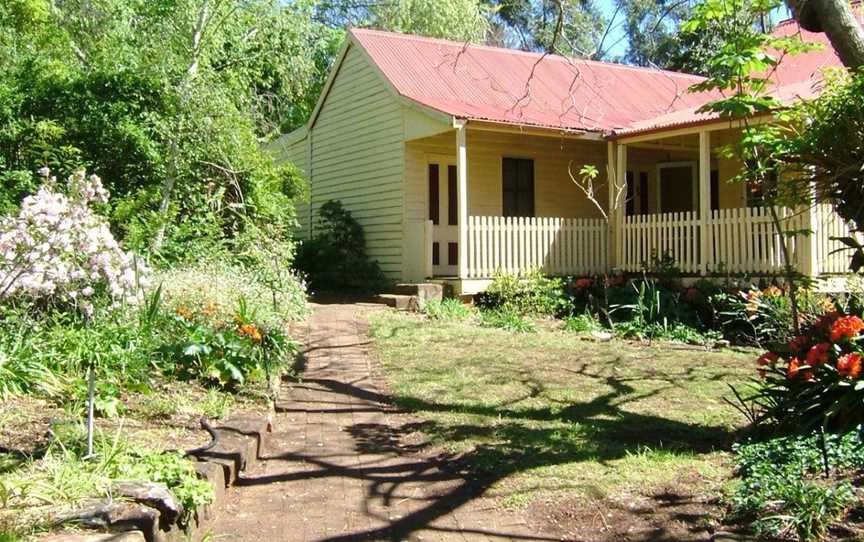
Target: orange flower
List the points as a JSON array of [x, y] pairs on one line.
[[210, 308], [795, 370], [818, 354], [773, 291], [250, 331], [849, 365], [846, 327], [183, 312]]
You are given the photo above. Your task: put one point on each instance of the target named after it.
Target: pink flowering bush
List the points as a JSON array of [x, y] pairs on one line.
[[57, 250]]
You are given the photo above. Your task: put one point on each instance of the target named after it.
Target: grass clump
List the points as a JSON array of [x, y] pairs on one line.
[[582, 323], [782, 490], [508, 319], [448, 309]]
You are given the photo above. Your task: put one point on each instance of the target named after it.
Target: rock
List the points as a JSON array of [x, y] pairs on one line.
[[127, 536], [601, 336], [118, 516], [154, 495], [723, 343]]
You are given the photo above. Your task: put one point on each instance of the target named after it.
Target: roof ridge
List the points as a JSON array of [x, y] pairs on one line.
[[506, 50]]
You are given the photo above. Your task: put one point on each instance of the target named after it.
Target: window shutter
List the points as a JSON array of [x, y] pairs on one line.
[[452, 214], [434, 194]]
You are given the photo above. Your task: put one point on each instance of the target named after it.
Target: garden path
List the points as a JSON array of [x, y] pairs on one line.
[[343, 464]]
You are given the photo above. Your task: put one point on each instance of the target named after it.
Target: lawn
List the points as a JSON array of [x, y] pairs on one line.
[[549, 416]]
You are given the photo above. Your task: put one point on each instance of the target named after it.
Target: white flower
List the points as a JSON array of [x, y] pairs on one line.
[[44, 171]]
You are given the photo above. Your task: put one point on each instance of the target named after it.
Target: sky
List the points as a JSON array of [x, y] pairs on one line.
[[616, 35]]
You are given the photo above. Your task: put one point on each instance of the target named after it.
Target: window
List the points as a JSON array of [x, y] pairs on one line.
[[518, 181]]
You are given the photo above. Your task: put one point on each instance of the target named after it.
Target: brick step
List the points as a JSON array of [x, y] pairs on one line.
[[424, 291], [400, 302]]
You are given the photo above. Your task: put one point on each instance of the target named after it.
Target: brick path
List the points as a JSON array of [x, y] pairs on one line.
[[341, 465]]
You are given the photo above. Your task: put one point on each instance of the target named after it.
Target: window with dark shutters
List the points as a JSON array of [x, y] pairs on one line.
[[518, 180], [434, 194]]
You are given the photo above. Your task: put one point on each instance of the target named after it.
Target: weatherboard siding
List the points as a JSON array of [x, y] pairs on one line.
[[358, 158]]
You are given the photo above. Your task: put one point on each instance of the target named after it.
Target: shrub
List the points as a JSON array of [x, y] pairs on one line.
[[780, 492], [217, 286], [583, 323], [448, 309], [227, 352], [335, 258], [532, 295], [58, 250], [506, 318], [814, 380], [764, 316]]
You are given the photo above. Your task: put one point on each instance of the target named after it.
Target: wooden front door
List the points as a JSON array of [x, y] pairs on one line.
[[444, 214]]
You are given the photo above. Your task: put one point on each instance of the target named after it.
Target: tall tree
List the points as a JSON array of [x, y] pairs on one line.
[[568, 27], [837, 19], [462, 20]]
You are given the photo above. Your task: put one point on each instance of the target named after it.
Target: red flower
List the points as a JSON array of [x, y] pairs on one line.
[[691, 294], [846, 327], [799, 343], [795, 370], [768, 358], [581, 284], [849, 365], [818, 354]]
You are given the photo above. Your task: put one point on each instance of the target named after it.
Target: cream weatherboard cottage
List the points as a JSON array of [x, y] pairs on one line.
[[459, 161]]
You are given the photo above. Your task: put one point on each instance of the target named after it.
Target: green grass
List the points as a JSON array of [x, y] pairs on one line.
[[547, 412]]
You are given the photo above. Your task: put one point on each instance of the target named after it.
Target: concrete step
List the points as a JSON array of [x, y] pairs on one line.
[[400, 302], [424, 291]]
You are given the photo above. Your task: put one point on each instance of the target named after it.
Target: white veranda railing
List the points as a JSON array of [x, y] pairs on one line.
[[516, 245]]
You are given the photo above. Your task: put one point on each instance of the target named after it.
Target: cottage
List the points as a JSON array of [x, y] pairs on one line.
[[459, 161]]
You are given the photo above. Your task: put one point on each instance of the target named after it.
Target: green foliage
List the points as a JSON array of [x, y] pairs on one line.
[[175, 129], [448, 309], [461, 20], [534, 25], [764, 316], [780, 492], [582, 323], [226, 354], [275, 294], [534, 294], [818, 143], [64, 477], [335, 258], [508, 319]]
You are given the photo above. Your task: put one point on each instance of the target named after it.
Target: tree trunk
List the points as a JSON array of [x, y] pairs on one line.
[[837, 19]]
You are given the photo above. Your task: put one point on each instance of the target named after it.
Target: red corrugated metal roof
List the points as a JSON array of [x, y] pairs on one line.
[[495, 84], [797, 77], [516, 87]]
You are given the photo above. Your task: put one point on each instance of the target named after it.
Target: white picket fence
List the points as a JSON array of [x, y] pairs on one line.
[[828, 225], [741, 240], [516, 245], [644, 237]]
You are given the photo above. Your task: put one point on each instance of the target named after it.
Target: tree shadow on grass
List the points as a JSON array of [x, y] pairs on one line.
[[514, 438]]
